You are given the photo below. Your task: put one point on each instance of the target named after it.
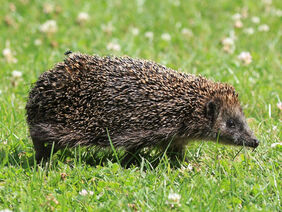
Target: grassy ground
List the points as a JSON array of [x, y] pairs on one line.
[[187, 36]]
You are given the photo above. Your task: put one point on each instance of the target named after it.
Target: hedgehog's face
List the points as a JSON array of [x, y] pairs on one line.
[[229, 125]]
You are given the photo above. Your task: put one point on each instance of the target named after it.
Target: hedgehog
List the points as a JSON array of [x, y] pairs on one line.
[[130, 104]]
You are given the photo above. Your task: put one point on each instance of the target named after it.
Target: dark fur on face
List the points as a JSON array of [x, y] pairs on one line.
[[139, 102], [229, 124]]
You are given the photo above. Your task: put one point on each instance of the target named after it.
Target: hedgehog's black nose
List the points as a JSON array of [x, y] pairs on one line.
[[255, 143]]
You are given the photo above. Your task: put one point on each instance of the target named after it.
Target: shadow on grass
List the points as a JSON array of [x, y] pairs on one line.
[[93, 156]]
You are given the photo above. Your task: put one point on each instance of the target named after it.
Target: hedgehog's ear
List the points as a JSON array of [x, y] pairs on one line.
[[212, 109]]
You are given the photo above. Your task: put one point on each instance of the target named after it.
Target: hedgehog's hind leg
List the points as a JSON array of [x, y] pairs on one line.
[[44, 141], [131, 157]]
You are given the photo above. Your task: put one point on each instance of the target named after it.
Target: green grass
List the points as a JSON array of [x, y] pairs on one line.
[[218, 181]]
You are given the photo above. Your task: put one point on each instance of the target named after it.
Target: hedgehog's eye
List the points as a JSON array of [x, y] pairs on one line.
[[230, 123]]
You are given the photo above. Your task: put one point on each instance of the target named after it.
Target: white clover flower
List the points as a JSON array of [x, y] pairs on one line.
[[37, 42], [245, 57], [48, 8], [84, 192], [49, 27], [6, 52], [82, 17], [276, 144], [249, 31], [174, 198], [184, 168], [166, 36], [279, 105], [228, 45], [6, 210], [228, 41], [135, 31], [190, 167], [236, 17], [278, 12], [149, 35], [17, 74], [269, 2], [8, 55], [108, 28], [238, 24], [187, 32], [114, 46], [255, 20], [176, 3], [263, 28]]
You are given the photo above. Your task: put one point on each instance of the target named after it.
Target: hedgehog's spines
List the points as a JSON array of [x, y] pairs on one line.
[[140, 102]]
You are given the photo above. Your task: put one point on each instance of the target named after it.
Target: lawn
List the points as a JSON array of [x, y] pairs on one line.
[[238, 42]]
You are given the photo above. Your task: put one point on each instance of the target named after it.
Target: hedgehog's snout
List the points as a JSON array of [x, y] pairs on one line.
[[254, 143]]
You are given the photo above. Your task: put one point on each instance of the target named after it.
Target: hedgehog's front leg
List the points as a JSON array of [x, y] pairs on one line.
[[42, 142], [175, 149]]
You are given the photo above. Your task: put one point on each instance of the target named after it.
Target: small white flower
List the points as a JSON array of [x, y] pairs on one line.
[[276, 144], [114, 46], [37, 42], [6, 210], [249, 31], [279, 105], [245, 57], [278, 13], [108, 28], [255, 20], [176, 3], [84, 192], [49, 27], [238, 24], [82, 17], [236, 16], [228, 41], [263, 28], [274, 128], [187, 32], [7, 52], [149, 35], [0, 92], [48, 8], [228, 45], [8, 55], [135, 31], [17, 74], [174, 198], [269, 2], [166, 36], [190, 167]]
